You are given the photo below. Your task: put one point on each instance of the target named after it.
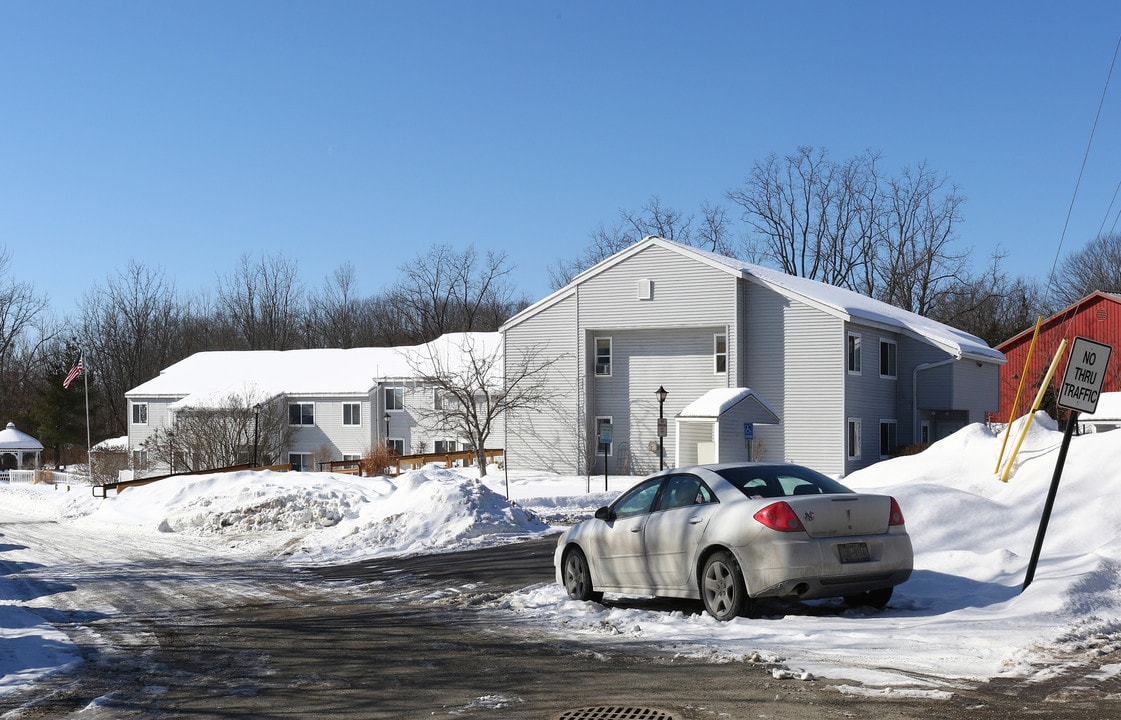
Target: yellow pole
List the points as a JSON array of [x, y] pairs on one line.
[[1034, 407], [1019, 391]]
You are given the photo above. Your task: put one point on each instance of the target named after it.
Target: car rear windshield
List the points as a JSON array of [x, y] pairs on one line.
[[767, 481]]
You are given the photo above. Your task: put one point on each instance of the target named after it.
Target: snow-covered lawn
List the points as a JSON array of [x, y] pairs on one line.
[[960, 619]]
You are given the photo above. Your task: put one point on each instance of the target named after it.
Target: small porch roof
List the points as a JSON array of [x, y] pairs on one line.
[[720, 401]]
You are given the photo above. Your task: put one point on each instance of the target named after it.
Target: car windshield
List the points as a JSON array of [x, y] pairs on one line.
[[767, 481]]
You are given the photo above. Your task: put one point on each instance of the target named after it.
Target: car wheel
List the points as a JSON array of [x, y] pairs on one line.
[[577, 576], [722, 588], [873, 598]]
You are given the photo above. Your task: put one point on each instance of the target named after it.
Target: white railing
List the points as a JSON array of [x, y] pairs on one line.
[[44, 476]]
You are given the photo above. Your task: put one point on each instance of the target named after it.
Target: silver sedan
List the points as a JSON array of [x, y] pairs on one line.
[[734, 533]]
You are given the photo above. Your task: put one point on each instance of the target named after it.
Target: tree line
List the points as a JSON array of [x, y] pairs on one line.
[[136, 322], [892, 236]]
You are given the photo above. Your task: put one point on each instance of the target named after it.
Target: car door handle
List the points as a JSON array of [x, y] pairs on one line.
[[636, 529], [696, 519]]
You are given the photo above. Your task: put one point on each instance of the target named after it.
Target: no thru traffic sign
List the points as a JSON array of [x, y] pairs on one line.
[[1082, 382]]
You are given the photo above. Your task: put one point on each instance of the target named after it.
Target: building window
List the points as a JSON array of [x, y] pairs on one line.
[[604, 436], [603, 357], [300, 462], [139, 459], [720, 353], [140, 413], [888, 442], [888, 359], [352, 413], [301, 413], [854, 353], [397, 445], [394, 398], [854, 438], [444, 446]]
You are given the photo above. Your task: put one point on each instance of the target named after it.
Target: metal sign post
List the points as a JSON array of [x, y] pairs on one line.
[[605, 440], [1082, 385]]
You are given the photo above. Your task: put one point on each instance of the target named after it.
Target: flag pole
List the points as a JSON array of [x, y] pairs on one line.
[[86, 383]]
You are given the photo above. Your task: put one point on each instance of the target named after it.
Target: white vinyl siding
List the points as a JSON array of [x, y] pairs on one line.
[[553, 437], [796, 363]]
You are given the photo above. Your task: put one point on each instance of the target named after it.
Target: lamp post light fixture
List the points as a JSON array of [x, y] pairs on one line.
[[387, 429], [661, 394], [256, 433]]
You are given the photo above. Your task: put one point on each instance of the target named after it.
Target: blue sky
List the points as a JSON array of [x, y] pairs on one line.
[[184, 135]]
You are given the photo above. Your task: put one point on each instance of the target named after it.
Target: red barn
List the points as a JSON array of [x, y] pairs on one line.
[[1096, 317]]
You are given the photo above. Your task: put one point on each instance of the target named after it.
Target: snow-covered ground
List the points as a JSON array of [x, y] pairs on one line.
[[961, 618]]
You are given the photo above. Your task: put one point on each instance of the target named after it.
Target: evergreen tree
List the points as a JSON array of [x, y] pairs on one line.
[[59, 413]]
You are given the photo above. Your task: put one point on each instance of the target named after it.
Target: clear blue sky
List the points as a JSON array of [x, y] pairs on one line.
[[185, 134]]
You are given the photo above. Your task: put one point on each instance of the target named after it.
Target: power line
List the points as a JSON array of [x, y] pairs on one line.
[[1085, 157]]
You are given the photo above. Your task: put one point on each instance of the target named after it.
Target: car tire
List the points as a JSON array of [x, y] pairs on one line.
[[578, 576], [722, 588], [877, 599]]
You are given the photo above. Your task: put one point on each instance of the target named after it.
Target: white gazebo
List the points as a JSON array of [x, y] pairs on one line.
[[19, 445]]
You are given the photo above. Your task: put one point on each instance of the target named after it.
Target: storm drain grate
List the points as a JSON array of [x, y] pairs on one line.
[[610, 712]]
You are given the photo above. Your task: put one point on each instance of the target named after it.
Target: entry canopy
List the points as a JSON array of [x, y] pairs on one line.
[[714, 403]]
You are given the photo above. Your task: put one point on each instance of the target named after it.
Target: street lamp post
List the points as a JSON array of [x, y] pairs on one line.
[[256, 426], [661, 394], [387, 429]]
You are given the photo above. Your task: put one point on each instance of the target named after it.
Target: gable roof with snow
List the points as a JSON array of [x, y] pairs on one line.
[[718, 401], [209, 379], [839, 302]]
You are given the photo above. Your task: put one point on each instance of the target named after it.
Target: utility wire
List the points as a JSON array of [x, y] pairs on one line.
[[1085, 157]]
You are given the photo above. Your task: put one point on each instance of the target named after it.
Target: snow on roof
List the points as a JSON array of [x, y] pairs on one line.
[[837, 301], [718, 401], [13, 439], [209, 379], [847, 303], [1109, 408]]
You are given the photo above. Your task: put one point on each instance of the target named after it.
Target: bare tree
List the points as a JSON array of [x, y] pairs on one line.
[[654, 218], [446, 291], [22, 316], [475, 386], [812, 217], [992, 306], [1096, 267], [132, 328], [337, 316], [235, 431], [918, 265], [263, 302]]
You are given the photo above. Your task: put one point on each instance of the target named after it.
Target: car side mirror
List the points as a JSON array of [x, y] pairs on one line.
[[604, 514]]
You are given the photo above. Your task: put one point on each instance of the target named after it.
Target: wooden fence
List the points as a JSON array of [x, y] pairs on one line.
[[404, 463]]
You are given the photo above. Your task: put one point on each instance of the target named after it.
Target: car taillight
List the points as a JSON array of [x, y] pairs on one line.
[[780, 516], [896, 517]]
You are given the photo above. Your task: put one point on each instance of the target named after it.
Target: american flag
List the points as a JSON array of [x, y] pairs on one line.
[[75, 371]]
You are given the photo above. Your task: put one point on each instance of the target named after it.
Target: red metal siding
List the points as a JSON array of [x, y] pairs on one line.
[[1097, 317]]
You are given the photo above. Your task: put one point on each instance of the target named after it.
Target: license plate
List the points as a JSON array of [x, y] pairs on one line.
[[854, 552]]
